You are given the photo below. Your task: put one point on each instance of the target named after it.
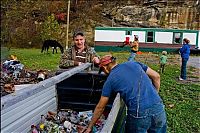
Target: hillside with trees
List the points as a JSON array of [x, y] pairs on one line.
[[26, 24]]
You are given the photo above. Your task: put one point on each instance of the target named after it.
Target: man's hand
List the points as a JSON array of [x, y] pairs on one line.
[[97, 112], [82, 129], [88, 130], [96, 60], [80, 63]]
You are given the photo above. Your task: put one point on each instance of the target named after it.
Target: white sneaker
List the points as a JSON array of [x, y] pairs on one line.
[[180, 79]]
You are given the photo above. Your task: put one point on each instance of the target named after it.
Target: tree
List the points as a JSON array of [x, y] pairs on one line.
[[51, 30]]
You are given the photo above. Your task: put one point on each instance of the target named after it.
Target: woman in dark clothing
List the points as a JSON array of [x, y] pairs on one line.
[[185, 53]]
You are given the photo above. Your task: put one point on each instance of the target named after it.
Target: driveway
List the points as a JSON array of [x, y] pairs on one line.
[[194, 61]]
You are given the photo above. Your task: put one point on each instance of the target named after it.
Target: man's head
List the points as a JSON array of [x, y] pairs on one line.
[[79, 39], [106, 64]]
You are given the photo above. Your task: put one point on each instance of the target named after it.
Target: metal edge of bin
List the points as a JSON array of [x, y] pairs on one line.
[[9, 100], [119, 126], [113, 122]]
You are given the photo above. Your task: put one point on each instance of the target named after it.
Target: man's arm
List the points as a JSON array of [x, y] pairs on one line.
[[124, 44], [182, 49], [155, 77], [97, 112], [95, 56]]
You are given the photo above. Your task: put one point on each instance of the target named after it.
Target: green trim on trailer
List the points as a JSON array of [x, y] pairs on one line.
[[117, 49], [145, 29], [110, 48], [197, 40]]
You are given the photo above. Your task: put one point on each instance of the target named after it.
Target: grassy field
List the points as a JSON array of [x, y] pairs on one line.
[[33, 59], [182, 99]]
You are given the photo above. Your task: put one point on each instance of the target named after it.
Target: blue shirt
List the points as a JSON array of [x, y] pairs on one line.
[[135, 87], [185, 51]]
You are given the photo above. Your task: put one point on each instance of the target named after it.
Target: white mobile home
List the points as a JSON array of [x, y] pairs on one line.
[[149, 38]]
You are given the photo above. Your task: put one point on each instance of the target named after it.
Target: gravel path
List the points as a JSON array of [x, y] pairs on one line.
[[194, 61]]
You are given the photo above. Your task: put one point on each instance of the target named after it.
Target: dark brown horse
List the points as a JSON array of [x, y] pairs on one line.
[[52, 43]]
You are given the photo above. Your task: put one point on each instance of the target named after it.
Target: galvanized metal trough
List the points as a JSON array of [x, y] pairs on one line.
[[76, 89]]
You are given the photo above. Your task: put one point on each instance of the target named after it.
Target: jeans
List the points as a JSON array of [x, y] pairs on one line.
[[162, 68], [132, 56], [183, 68], [151, 120]]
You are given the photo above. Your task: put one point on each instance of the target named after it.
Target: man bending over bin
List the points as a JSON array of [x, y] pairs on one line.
[[138, 86]]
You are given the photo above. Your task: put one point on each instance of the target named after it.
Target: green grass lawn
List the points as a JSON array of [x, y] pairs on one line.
[[33, 59], [182, 100]]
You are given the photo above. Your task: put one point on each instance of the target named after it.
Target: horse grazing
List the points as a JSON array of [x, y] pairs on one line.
[[52, 43]]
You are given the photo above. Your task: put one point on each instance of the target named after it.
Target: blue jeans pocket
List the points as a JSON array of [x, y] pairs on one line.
[[136, 124], [160, 119], [152, 120], [159, 123]]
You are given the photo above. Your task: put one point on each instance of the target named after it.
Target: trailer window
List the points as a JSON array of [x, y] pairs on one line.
[[150, 36], [177, 38]]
